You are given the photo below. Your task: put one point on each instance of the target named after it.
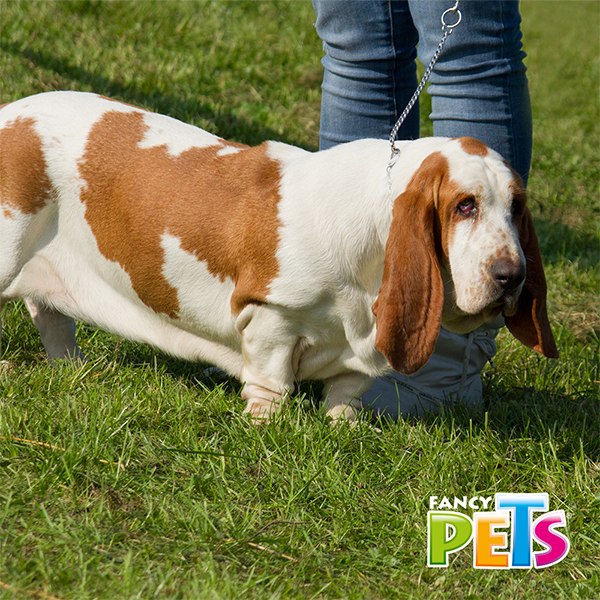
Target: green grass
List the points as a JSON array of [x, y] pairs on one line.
[[152, 485]]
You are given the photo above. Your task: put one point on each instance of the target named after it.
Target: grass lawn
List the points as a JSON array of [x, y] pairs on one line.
[[135, 477]]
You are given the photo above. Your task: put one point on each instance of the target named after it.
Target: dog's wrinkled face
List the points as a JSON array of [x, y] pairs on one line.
[[461, 250], [480, 211]]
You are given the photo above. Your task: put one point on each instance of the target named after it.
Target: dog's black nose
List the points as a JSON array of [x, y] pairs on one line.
[[509, 275]]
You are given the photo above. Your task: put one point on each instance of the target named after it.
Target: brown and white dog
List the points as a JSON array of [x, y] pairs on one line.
[[273, 263]]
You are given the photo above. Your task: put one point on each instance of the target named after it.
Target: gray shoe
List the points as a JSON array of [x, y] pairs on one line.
[[451, 375]]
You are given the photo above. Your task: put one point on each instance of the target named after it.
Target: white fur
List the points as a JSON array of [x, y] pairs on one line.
[[317, 323]]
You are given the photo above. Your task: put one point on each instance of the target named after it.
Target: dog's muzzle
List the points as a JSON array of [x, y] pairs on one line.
[[508, 277]]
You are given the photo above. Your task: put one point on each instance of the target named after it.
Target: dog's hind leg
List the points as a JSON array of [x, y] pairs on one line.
[[57, 331]]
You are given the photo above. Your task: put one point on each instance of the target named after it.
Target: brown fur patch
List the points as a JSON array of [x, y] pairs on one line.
[[408, 308], [433, 174], [519, 195], [472, 146], [530, 323], [223, 209], [24, 182]]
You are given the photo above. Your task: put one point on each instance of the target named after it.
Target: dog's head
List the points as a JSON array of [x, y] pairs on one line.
[[461, 250]]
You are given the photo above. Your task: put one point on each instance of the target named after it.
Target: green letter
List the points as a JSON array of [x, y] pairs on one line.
[[446, 532]]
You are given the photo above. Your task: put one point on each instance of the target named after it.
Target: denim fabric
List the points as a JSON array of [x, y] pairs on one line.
[[478, 88]]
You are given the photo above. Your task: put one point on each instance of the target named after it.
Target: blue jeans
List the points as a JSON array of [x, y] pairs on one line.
[[478, 88]]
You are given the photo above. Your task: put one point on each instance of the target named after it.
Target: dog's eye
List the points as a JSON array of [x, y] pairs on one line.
[[467, 207]]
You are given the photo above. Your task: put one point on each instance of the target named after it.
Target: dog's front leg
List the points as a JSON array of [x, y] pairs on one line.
[[57, 331], [342, 393], [268, 343]]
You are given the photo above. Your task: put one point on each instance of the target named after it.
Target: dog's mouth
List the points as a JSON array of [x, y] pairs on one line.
[[509, 301], [485, 308], [510, 306], [505, 305]]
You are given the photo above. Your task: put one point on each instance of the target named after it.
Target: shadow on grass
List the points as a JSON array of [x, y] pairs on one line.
[[572, 421], [226, 125], [203, 375], [559, 242]]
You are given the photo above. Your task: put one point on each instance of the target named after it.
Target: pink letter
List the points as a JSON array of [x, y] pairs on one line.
[[556, 543]]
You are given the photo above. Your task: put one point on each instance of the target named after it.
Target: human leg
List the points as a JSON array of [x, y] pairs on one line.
[[479, 86], [370, 71]]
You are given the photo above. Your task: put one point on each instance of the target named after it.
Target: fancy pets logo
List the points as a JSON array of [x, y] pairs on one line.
[[449, 531]]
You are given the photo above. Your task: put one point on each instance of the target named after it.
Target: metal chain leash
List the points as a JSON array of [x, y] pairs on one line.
[[447, 30]]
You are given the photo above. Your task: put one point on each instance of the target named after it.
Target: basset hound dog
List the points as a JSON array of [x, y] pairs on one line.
[[271, 262]]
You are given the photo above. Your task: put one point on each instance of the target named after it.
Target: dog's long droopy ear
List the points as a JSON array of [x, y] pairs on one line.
[[408, 308], [530, 323]]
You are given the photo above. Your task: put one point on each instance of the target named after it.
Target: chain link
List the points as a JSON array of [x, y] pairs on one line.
[[447, 30]]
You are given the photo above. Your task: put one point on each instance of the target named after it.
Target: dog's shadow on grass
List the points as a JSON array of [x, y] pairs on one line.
[[513, 414], [128, 354]]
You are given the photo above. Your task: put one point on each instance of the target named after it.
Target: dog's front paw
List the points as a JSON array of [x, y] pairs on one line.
[[345, 412], [260, 410]]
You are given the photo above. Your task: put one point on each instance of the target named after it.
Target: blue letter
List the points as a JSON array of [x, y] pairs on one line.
[[521, 507]]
